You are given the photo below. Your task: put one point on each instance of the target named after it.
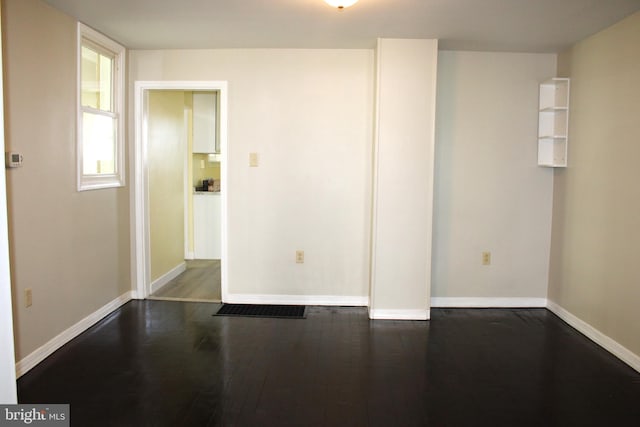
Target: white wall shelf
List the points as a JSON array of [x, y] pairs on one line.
[[553, 122]]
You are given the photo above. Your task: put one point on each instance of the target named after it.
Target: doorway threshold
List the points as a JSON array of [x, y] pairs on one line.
[[151, 297]]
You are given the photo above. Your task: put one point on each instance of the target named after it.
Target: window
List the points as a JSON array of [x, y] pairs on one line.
[[100, 109]]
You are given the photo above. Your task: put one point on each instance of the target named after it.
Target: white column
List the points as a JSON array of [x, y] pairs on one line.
[[403, 179]]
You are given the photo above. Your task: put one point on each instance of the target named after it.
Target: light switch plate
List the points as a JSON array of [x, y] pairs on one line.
[[253, 160]]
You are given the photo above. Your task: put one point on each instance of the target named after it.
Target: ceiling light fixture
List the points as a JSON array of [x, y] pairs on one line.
[[341, 4]]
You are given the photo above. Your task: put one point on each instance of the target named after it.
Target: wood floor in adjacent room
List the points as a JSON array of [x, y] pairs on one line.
[[164, 363], [199, 282]]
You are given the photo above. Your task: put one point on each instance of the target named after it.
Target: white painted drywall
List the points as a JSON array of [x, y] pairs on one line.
[[403, 178], [490, 195], [595, 273], [8, 393], [308, 115]]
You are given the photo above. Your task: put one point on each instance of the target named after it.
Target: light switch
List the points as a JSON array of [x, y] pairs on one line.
[[253, 160], [486, 258]]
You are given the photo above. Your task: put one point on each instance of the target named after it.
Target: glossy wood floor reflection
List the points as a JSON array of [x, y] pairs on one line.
[[161, 363]]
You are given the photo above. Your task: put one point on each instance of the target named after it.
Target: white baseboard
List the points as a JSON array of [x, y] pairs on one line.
[[349, 301], [161, 281], [609, 344], [463, 302], [190, 256], [30, 361], [382, 314]]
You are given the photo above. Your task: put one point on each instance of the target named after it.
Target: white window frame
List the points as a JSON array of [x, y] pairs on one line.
[[95, 182]]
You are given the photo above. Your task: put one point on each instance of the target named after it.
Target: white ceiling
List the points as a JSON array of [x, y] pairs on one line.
[[494, 25]]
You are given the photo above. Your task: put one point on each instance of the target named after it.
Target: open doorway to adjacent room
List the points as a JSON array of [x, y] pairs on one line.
[[181, 192]]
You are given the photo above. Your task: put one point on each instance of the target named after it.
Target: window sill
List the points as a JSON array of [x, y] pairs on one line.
[[100, 184]]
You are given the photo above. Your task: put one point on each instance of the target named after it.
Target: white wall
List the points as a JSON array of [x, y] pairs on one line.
[[595, 273], [403, 178], [308, 115], [490, 195]]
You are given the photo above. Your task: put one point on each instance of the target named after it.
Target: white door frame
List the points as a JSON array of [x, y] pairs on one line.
[[140, 260]]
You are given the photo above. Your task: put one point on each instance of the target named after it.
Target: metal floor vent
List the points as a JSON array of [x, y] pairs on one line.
[[263, 310]]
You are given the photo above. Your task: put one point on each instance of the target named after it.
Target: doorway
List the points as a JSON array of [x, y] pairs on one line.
[[156, 253]]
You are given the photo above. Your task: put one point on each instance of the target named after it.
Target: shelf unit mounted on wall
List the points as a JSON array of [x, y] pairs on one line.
[[553, 122]]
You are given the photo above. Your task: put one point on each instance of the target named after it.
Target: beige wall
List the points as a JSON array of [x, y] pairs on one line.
[[595, 273], [8, 392], [71, 248], [308, 114], [167, 150], [490, 195]]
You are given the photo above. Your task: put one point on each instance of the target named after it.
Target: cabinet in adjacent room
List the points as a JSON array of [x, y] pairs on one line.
[[205, 138], [207, 226], [553, 123]]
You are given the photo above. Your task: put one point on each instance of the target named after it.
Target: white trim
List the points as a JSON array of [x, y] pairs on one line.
[[96, 182], [609, 344], [374, 180], [190, 256], [37, 356], [138, 205], [188, 184], [224, 188], [348, 301], [140, 266], [162, 281], [464, 302], [399, 314]]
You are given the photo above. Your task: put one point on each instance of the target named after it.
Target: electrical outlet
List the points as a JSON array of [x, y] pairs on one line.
[[486, 258], [253, 160], [300, 257], [28, 297]]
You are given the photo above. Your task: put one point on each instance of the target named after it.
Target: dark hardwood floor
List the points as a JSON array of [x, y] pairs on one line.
[[162, 363]]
